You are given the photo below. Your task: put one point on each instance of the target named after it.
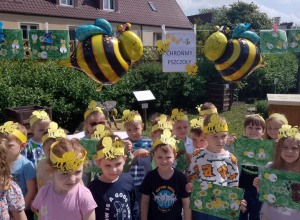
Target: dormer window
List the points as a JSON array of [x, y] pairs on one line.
[[67, 2], [152, 6], [109, 5]]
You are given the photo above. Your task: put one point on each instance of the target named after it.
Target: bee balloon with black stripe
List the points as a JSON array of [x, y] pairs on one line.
[[236, 58], [102, 57]]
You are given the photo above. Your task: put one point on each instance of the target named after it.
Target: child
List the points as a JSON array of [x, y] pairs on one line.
[[22, 170], [163, 189], [197, 134], [113, 191], [159, 122], [39, 123], [65, 198], [141, 149], [53, 134], [254, 126], [273, 124], [92, 117], [213, 164], [181, 129], [207, 108], [286, 157], [12, 201]]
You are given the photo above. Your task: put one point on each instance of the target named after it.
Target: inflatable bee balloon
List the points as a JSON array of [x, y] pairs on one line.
[[102, 57], [235, 58]]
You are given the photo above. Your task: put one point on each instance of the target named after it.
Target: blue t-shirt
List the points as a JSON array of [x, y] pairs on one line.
[[142, 166], [21, 171]]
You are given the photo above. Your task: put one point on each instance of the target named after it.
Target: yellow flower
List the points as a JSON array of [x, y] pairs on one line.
[[202, 193], [209, 206], [225, 204], [216, 192], [3, 52], [232, 195]]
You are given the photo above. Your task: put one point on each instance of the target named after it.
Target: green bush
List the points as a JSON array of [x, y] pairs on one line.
[[262, 108]]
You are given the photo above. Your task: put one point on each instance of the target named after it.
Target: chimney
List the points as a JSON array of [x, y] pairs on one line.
[[57, 2], [100, 4], [76, 3]]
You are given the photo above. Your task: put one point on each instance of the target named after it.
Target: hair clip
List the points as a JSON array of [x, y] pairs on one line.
[[178, 115], [215, 125], [129, 116], [92, 108], [54, 132], [12, 128], [38, 115], [111, 149]]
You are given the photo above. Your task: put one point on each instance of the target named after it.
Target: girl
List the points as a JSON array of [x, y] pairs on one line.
[[286, 157], [11, 197], [273, 124], [65, 198]]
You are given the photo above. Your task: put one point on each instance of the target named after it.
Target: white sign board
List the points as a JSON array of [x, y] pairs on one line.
[[143, 95], [284, 99], [182, 51]]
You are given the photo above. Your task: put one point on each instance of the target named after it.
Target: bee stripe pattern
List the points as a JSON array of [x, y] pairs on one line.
[[245, 63]]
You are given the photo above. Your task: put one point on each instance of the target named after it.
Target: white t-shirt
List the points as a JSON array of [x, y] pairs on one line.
[[189, 146]]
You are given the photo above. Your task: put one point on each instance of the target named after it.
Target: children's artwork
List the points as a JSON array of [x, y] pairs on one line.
[[294, 40], [273, 41], [216, 200], [90, 147], [256, 152], [52, 44], [280, 188], [181, 161], [11, 44], [179, 51]]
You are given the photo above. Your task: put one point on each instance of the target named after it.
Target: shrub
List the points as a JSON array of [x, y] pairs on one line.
[[262, 108]]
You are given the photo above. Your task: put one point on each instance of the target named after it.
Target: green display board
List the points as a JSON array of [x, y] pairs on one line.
[[11, 44], [216, 200], [257, 152], [90, 146], [53, 44], [294, 40], [280, 188], [273, 42]]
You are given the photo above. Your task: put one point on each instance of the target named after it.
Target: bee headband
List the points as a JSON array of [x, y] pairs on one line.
[[92, 108], [207, 111], [111, 149], [215, 125], [11, 128], [129, 116], [54, 132], [166, 138], [197, 123], [162, 124], [178, 115], [289, 131], [280, 117], [38, 115], [100, 132]]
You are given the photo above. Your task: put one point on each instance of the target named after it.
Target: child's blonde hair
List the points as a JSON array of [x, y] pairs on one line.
[[281, 119], [278, 162], [5, 176], [38, 116], [63, 146]]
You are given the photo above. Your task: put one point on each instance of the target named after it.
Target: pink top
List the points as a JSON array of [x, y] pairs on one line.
[[72, 205]]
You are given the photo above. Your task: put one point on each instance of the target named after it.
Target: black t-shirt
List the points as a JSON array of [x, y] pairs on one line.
[[247, 175], [165, 195], [115, 200]]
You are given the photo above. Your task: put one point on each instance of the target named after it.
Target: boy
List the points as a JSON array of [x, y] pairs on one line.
[[141, 149], [181, 128], [197, 134], [113, 191], [39, 123], [23, 171], [163, 189]]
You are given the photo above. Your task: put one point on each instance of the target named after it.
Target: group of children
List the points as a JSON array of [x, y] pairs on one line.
[[45, 178]]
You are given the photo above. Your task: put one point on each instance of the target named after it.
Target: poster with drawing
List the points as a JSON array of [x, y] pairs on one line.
[[180, 54], [11, 44], [280, 188], [255, 152], [90, 147], [216, 200]]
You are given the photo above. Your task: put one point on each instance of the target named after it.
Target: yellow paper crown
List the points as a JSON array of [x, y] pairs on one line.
[[207, 111], [111, 149], [54, 132], [280, 117], [162, 124], [12, 128], [289, 131], [166, 138], [69, 161], [178, 115], [256, 115], [92, 108], [100, 132], [197, 123], [38, 115], [215, 125], [129, 116]]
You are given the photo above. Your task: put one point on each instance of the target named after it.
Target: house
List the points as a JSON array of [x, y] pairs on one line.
[[146, 16]]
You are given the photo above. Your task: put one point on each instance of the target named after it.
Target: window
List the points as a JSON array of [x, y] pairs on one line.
[[72, 31], [67, 2], [152, 6], [156, 37], [26, 28], [109, 4]]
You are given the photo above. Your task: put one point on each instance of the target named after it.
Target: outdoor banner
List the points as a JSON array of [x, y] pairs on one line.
[[216, 200], [294, 40], [53, 44], [280, 188], [90, 147], [273, 42], [11, 44], [255, 152], [182, 51]]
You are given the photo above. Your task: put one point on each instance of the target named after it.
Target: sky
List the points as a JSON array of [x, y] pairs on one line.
[[288, 10]]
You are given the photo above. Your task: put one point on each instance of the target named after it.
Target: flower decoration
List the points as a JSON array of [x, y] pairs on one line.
[[197, 123], [54, 132], [216, 192], [289, 131], [92, 108], [215, 125], [112, 149], [38, 115], [178, 115], [129, 116], [100, 132], [232, 195]]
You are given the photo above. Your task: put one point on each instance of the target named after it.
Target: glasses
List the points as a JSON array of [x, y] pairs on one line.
[[293, 149], [92, 124]]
